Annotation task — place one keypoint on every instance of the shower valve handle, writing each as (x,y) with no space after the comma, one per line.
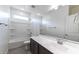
(3,24)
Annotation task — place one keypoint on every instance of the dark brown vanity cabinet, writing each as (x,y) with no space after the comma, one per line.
(36,48)
(33,47)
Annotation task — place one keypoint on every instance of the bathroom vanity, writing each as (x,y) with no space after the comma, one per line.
(37,48)
(44,44)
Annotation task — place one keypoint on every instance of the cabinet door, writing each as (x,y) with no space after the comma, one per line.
(43,50)
(33,46)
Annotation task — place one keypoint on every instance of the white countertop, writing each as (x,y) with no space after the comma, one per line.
(50,43)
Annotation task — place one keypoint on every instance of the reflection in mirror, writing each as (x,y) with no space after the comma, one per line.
(62,24)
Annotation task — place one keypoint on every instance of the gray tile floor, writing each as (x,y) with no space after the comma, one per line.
(19,50)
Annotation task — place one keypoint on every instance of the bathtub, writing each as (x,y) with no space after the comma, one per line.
(18,42)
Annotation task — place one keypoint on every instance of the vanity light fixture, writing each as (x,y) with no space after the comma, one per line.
(53,7)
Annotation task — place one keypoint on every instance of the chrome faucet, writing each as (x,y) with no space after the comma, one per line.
(65,36)
(60,40)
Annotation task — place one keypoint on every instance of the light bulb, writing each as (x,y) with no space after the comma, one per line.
(53,7)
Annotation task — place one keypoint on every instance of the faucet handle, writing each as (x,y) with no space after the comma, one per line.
(65,36)
(60,41)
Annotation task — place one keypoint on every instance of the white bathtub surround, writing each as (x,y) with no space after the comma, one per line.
(19,46)
(49,42)
(18,42)
(19,50)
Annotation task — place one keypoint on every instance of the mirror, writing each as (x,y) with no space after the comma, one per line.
(61,23)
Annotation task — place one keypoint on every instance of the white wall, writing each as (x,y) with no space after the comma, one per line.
(4,14)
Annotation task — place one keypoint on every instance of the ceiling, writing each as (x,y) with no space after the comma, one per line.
(39,9)
(42,9)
